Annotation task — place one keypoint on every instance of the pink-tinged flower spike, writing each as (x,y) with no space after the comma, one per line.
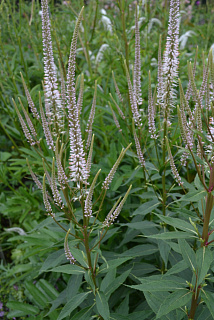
(45,200)
(115,118)
(29,122)
(112,215)
(117,89)
(88,164)
(88,200)
(34,177)
(29,99)
(189,88)
(151,112)
(91,118)
(24,126)
(78,172)
(68,254)
(63,90)
(137,63)
(160,76)
(62,178)
(205,77)
(80,97)
(118,108)
(133,100)
(138,148)
(56,194)
(170,58)
(111,174)
(52,96)
(172,165)
(45,126)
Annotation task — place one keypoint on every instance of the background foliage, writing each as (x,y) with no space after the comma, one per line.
(34,278)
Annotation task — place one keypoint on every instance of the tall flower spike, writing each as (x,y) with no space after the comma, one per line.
(137,64)
(151,112)
(62,178)
(91,118)
(88,200)
(112,215)
(170,58)
(56,194)
(29,99)
(189,88)
(115,118)
(45,126)
(173,167)
(138,148)
(111,174)
(117,89)
(34,177)
(160,76)
(88,164)
(29,122)
(78,171)
(133,100)
(45,200)
(24,126)
(80,97)
(68,254)
(52,96)
(118,108)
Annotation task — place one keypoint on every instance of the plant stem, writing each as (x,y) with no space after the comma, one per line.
(164,160)
(194,304)
(209,206)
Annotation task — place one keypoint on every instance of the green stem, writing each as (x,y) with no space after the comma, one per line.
(164,160)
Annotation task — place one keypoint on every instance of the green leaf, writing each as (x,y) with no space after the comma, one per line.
(111,264)
(37,295)
(155,299)
(69,269)
(188,254)
(208,298)
(158,285)
(174,301)
(141,225)
(116,283)
(72,304)
(140,250)
(4,156)
(109,278)
(172,235)
(194,196)
(50,291)
(147,207)
(52,260)
(178,223)
(27,309)
(164,249)
(178,267)
(84,314)
(102,305)
(204,259)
